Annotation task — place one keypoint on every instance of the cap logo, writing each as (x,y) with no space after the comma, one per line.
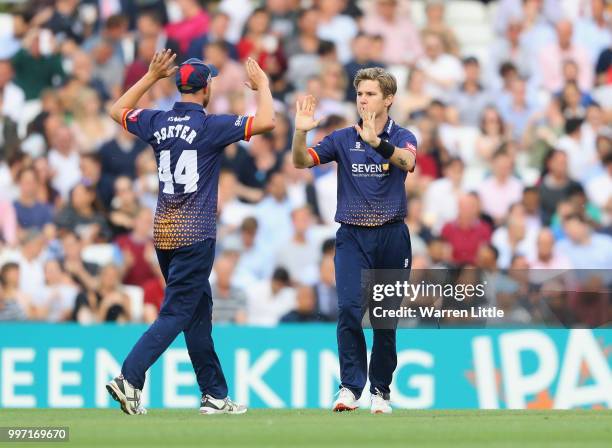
(186,71)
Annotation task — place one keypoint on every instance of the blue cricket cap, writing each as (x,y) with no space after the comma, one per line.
(193,75)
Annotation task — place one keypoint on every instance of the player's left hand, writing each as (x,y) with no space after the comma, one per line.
(161,65)
(368,131)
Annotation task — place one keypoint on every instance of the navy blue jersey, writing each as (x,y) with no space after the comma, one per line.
(370,189)
(187,143)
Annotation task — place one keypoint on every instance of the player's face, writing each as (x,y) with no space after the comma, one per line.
(370,97)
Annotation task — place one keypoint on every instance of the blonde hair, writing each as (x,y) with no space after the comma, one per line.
(84,96)
(386,81)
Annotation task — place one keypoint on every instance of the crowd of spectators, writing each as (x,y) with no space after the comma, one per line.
(514,165)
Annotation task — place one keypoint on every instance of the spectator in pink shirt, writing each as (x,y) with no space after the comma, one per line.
(500,191)
(194,24)
(547,257)
(402,41)
(552,57)
(8,223)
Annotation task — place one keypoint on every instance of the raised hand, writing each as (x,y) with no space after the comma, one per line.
(161,65)
(257,77)
(304,114)
(368,131)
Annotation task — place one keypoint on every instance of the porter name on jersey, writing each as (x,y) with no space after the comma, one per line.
(181,131)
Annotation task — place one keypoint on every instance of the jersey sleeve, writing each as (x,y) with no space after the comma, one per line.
(406,140)
(324,151)
(226,129)
(139,122)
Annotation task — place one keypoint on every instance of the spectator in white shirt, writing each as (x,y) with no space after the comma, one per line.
(232,211)
(443,72)
(299,255)
(514,238)
(510,48)
(442,196)
(30,260)
(580,159)
(64,161)
(325,188)
(594,32)
(336,27)
(255,262)
(599,189)
(269,300)
(273,214)
(585,248)
(531,204)
(595,133)
(12,95)
(55,302)
(12,28)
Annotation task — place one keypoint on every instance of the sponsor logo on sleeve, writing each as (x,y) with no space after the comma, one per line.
(410,147)
(133,116)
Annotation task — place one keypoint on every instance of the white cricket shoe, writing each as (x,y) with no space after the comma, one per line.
(126,395)
(346,401)
(380,404)
(210,405)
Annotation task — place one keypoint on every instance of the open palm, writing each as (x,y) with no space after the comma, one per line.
(367,130)
(304,114)
(162,64)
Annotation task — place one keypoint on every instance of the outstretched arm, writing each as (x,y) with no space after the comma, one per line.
(263,121)
(304,122)
(160,67)
(401,158)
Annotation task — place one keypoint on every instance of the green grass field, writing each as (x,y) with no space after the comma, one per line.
(319,428)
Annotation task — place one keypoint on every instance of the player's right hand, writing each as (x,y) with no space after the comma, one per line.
(257,77)
(304,114)
(161,65)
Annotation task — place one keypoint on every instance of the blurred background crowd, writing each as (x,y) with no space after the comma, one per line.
(510,100)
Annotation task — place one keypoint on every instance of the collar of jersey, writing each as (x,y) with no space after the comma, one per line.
(187,106)
(386,130)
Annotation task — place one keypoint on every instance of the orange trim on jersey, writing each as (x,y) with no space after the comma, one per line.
(248,129)
(315,156)
(124,117)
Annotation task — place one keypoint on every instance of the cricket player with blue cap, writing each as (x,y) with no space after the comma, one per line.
(188,144)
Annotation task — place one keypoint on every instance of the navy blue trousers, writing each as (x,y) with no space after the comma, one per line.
(187,308)
(357,248)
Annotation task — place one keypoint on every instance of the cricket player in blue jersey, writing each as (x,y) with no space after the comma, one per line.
(188,144)
(373,159)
